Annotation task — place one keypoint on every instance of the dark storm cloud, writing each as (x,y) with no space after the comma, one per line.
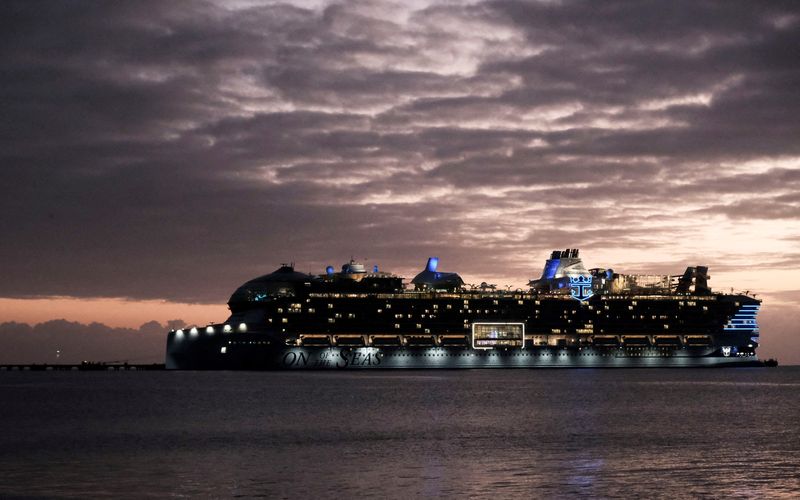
(171,150)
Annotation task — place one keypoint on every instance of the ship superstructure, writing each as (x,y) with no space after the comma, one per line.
(569,317)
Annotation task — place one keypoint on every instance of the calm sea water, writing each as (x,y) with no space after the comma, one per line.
(508,433)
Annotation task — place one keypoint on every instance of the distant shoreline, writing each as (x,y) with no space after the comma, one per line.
(85,366)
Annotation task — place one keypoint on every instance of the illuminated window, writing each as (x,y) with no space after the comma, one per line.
(331,320)
(284,320)
(397,325)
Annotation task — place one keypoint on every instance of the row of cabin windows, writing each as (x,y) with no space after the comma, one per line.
(466,324)
(295,309)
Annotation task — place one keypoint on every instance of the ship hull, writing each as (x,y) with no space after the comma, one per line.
(258,354)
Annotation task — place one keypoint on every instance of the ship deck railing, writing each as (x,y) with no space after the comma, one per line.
(516,295)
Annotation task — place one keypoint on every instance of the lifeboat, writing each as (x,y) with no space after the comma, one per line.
(420,340)
(315,340)
(349,340)
(453,340)
(385,340)
(667,340)
(636,340)
(697,340)
(606,340)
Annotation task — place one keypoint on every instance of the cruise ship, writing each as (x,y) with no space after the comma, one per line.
(570,317)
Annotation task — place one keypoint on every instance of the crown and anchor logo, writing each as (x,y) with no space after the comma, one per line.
(581,287)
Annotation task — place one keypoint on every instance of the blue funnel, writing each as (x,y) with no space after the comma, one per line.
(433,263)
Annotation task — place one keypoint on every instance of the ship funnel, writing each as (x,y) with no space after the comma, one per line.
(433,263)
(701,280)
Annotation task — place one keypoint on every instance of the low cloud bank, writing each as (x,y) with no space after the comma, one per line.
(61,341)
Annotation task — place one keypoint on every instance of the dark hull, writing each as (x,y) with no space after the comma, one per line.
(253,352)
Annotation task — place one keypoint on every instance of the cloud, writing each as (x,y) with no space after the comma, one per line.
(155,150)
(60,341)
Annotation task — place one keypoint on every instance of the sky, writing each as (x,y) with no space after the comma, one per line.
(155,155)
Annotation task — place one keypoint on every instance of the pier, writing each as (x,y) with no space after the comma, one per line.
(85,366)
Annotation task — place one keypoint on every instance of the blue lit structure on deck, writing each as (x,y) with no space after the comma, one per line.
(550,268)
(744,320)
(433,263)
